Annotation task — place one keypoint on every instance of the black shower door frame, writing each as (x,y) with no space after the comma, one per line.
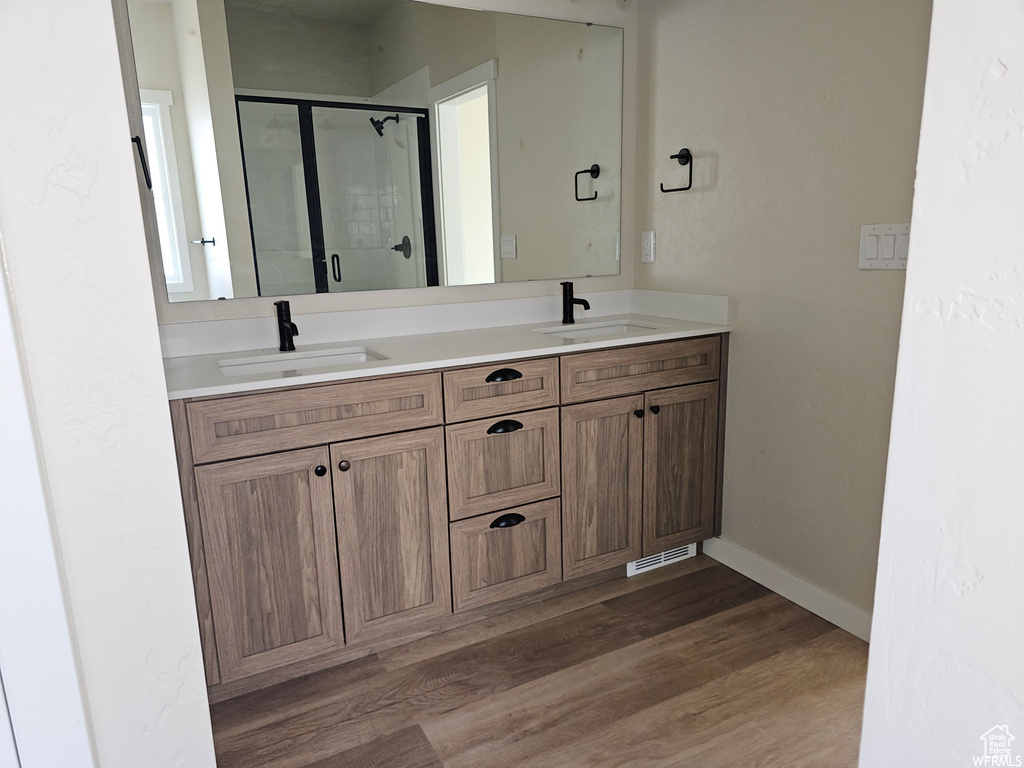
(312,182)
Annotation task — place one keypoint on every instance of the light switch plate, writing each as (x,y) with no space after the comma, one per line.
(508,247)
(884,246)
(647,247)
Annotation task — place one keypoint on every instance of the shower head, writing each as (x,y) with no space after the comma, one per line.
(378,125)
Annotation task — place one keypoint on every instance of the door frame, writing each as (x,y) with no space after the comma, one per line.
(485,74)
(37,643)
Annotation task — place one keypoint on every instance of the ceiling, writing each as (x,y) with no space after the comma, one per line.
(360,13)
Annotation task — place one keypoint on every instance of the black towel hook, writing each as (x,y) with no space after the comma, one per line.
(685,158)
(594,171)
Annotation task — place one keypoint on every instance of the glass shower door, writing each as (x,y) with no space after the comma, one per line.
(368,175)
(276,186)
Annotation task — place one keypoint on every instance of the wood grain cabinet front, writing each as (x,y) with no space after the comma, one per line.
(268,535)
(632,370)
(602,484)
(249,425)
(505,555)
(332,520)
(389,503)
(489,390)
(502,462)
(680,462)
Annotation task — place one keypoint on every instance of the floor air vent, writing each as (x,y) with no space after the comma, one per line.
(645,564)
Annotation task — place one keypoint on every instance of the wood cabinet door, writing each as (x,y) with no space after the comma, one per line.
(390,508)
(602,484)
(268,534)
(680,456)
(504,555)
(502,462)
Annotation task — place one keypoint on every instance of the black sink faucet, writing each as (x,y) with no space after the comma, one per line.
(569,304)
(285,326)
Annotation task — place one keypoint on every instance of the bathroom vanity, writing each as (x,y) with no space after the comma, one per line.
(337,510)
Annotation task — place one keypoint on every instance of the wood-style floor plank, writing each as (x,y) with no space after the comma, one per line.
(445,642)
(407,748)
(510,727)
(781,694)
(690,665)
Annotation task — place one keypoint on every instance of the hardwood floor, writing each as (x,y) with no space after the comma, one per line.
(689,665)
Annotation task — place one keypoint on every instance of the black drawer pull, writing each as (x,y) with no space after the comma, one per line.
(655,409)
(639,413)
(505,374)
(344,466)
(511,520)
(504,427)
(320,471)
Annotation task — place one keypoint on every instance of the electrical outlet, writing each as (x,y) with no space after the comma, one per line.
(647,247)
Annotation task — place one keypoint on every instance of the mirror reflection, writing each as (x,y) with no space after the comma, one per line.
(314,146)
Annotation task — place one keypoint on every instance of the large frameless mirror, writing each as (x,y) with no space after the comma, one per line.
(325,146)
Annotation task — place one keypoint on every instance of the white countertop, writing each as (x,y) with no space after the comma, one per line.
(201,375)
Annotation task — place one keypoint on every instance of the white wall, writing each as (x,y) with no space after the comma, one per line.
(286,53)
(803,118)
(38,665)
(946,661)
(559,99)
(76,259)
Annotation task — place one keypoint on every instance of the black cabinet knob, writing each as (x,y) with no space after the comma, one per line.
(344,466)
(320,471)
(639,413)
(655,409)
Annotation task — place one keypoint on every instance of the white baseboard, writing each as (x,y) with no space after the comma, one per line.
(817,601)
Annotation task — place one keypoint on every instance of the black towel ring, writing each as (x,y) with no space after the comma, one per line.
(685,158)
(594,171)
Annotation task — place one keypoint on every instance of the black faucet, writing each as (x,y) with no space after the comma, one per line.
(285,326)
(569,303)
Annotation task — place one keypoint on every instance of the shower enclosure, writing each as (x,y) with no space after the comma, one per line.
(340,195)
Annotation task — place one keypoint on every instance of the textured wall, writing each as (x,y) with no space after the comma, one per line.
(76,255)
(946,662)
(803,117)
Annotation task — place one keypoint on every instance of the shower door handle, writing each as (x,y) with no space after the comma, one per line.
(405,248)
(336,267)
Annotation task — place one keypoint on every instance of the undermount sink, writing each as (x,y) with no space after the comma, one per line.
(306,361)
(596,329)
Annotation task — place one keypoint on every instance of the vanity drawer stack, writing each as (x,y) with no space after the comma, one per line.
(332,520)
(504,459)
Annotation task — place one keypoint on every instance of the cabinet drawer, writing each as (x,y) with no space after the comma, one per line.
(277,421)
(502,462)
(491,563)
(489,390)
(629,370)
